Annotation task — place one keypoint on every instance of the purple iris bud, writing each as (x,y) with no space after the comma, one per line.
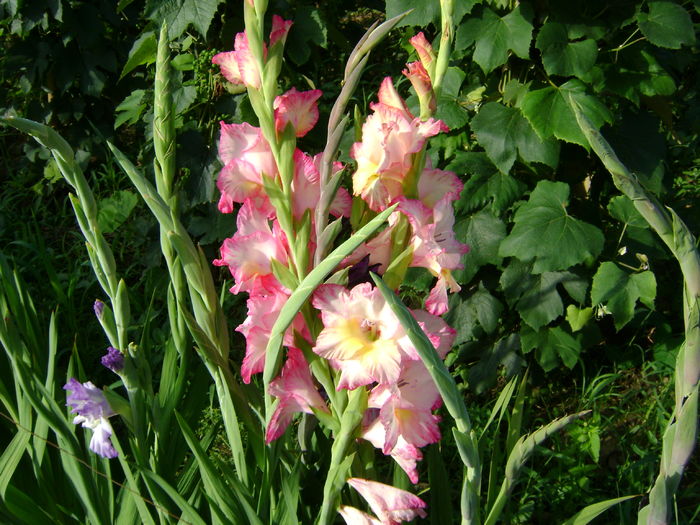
(92,409)
(113,359)
(98,306)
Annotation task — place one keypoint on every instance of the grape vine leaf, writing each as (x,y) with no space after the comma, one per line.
(536,297)
(562,57)
(495,36)
(618,291)
(550,111)
(179,14)
(485,184)
(546,233)
(504,132)
(622,208)
(309,27)
(483,232)
(667,24)
(130,109)
(551,345)
(114,210)
(478,309)
(142,52)
(578,317)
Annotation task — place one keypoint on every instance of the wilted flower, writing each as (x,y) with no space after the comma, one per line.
(92,409)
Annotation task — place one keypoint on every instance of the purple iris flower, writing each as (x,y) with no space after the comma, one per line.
(92,409)
(113,359)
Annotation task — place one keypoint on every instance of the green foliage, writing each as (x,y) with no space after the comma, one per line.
(493,36)
(546,233)
(554,247)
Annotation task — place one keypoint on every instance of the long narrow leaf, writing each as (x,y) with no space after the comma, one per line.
(590,512)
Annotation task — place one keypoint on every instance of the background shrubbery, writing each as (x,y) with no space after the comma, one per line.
(564,277)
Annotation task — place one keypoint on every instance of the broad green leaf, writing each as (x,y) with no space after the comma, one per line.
(180,14)
(503,132)
(551,346)
(667,24)
(130,109)
(451,113)
(483,232)
(535,296)
(495,36)
(478,309)
(622,208)
(309,27)
(619,291)
(550,111)
(485,185)
(578,317)
(142,52)
(114,210)
(587,514)
(546,233)
(562,57)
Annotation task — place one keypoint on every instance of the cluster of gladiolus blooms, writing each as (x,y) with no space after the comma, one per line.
(361,337)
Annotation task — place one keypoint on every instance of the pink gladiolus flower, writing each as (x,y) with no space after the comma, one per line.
(306,188)
(420,80)
(353,516)
(435,247)
(239,66)
(296,392)
(363,338)
(390,138)
(391,505)
(248,252)
(405,408)
(360,335)
(424,50)
(435,184)
(298,108)
(247,157)
(280,30)
(263,310)
(405,454)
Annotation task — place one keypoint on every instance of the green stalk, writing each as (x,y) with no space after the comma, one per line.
(443,58)
(680,437)
(340,460)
